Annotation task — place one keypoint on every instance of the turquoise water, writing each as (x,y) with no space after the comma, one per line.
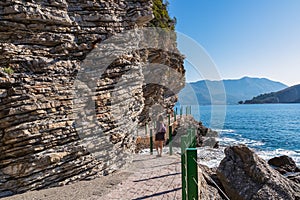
(270,129)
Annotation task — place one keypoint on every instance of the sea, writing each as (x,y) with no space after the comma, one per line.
(269,129)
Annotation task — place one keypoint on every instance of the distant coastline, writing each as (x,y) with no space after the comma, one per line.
(288,95)
(226,92)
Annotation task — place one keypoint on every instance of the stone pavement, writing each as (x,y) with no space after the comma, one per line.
(152,178)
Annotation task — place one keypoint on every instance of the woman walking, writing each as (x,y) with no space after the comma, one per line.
(160,135)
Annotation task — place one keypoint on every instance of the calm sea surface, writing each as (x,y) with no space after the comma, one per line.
(270,129)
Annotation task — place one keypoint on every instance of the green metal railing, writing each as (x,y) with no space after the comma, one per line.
(170,140)
(189,167)
(188,110)
(151,142)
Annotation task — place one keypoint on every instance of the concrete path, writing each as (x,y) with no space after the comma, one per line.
(148,177)
(151,178)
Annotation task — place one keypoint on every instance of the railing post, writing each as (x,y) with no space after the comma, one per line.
(189,136)
(175,113)
(192,175)
(170,140)
(151,142)
(186,110)
(183,166)
(180,111)
(169,120)
(146,128)
(194,138)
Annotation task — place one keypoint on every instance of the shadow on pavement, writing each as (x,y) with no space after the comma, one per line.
(147,179)
(158,194)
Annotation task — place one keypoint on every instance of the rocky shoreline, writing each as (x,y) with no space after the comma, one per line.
(240,173)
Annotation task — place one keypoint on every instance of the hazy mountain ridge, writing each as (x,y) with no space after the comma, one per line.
(214,92)
(288,95)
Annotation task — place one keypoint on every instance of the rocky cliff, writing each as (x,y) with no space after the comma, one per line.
(76,79)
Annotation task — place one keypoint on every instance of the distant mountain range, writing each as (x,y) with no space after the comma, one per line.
(207,92)
(288,95)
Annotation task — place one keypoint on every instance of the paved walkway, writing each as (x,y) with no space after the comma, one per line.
(152,178)
(148,177)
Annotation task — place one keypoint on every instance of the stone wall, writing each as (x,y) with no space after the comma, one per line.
(58,122)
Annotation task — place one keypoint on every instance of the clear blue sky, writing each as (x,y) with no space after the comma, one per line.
(256,38)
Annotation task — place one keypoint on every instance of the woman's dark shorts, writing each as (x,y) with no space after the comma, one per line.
(160,136)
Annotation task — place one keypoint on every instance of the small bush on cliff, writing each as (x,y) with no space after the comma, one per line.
(161,16)
(8,70)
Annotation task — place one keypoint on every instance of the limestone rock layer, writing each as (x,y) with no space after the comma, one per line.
(76,79)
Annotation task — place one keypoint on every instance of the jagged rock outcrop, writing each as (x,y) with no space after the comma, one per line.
(57,125)
(246,176)
(284,164)
(204,136)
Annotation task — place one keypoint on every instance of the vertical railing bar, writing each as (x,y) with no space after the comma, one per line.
(192,169)
(170,140)
(186,111)
(183,167)
(151,142)
(175,113)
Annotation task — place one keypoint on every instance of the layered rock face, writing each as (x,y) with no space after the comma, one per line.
(246,176)
(66,113)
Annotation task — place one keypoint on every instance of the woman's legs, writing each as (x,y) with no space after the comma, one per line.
(159,141)
(160,147)
(156,146)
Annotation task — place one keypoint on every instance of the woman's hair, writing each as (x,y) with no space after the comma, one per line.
(160,118)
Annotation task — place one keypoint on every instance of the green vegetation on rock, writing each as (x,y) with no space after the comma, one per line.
(161,16)
(8,70)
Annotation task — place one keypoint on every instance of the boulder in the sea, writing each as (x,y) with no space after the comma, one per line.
(245,176)
(284,164)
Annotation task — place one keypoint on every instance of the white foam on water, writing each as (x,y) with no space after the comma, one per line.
(210,157)
(236,139)
(232,141)
(225,130)
(267,155)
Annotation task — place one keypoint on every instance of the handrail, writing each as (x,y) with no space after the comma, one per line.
(189,168)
